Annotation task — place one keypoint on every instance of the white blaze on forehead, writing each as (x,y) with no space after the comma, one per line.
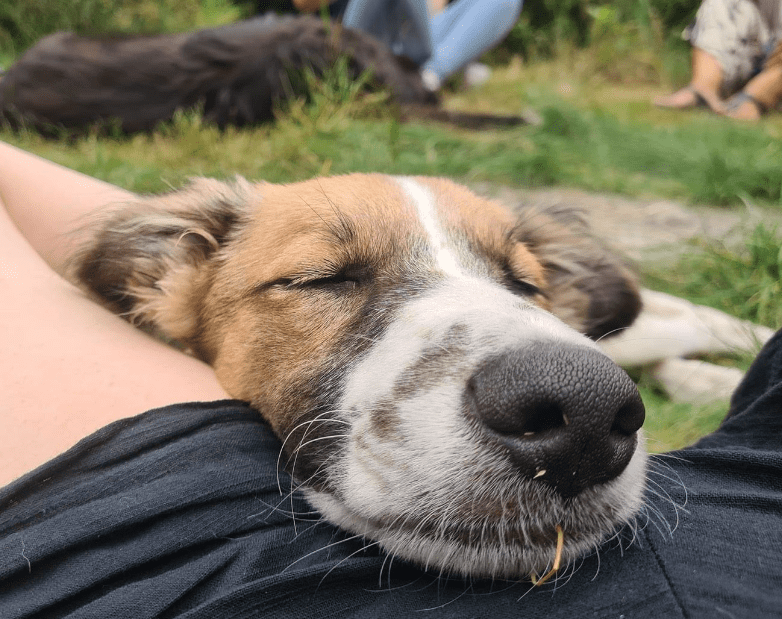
(424,203)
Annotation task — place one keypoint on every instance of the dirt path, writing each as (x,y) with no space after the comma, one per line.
(643,230)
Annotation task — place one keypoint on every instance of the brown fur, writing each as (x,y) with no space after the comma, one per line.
(281,288)
(589,287)
(235,73)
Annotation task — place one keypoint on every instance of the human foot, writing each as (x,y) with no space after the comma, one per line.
(687,98)
(743,106)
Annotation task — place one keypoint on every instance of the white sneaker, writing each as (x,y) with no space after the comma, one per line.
(431,80)
(476,74)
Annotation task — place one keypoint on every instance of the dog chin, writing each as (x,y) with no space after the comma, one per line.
(506,528)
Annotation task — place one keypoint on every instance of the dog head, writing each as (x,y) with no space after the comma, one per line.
(426,356)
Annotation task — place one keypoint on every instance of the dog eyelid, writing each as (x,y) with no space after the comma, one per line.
(521,286)
(343,280)
(525,288)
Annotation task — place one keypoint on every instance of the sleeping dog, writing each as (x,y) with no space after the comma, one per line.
(426,356)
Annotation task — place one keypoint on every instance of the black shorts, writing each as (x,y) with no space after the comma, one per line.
(180,512)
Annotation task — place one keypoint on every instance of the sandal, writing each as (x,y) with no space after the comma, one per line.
(740,98)
(699,101)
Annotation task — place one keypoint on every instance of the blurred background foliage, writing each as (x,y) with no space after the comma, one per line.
(544,27)
(23,22)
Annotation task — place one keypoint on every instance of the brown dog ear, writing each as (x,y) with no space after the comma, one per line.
(589,287)
(150,260)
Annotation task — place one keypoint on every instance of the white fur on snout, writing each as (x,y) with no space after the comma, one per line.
(423,464)
(494,318)
(489,320)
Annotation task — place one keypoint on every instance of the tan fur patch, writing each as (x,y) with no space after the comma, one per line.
(269,329)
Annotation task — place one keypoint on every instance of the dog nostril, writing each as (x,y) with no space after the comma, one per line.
(630,416)
(500,409)
(547,416)
(566,415)
(533,418)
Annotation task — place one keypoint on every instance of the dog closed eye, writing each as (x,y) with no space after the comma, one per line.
(523,288)
(408,350)
(344,280)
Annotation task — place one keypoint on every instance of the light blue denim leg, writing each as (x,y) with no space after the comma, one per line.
(468,28)
(403,25)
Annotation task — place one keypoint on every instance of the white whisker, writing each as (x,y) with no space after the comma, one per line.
(322,549)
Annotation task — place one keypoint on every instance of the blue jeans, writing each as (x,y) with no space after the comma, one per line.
(443,44)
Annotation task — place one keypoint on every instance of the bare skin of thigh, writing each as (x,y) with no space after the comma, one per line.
(67,366)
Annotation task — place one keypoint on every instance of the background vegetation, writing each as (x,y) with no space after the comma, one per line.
(589,69)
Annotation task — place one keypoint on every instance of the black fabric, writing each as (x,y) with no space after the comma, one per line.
(177,513)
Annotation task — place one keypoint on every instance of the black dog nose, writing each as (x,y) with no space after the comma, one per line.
(567,414)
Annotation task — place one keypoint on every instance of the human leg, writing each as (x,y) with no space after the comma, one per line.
(403,26)
(704,86)
(728,39)
(47,202)
(466,29)
(762,93)
(67,366)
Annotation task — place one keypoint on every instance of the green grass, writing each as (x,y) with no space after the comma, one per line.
(745,281)
(24,22)
(599,133)
(670,425)
(698,159)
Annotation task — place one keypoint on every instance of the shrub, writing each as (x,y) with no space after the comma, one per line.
(545,24)
(24,22)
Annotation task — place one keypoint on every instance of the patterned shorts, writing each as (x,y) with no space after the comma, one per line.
(741,34)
